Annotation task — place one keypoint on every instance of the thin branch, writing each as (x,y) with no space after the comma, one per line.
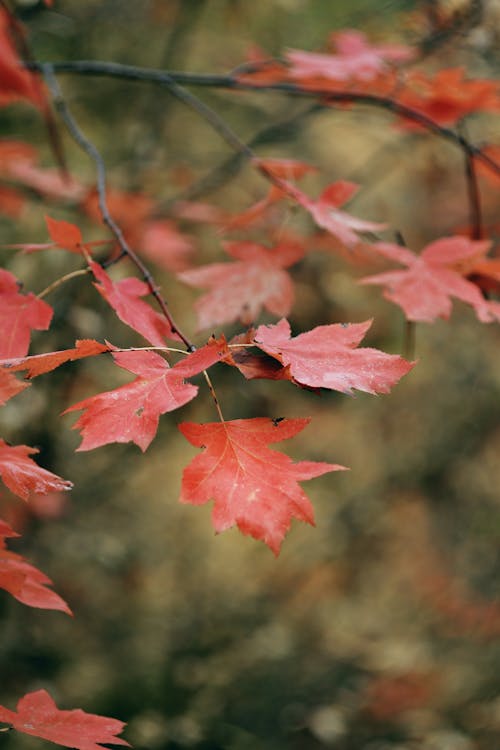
(134,73)
(229,168)
(473,193)
(89,148)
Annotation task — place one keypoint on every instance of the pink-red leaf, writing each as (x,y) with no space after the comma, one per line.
(425,288)
(15,82)
(253,487)
(19,315)
(131,413)
(65,235)
(355,59)
(25,582)
(38,715)
(239,290)
(39,364)
(9,386)
(22,475)
(327,357)
(327,215)
(162,243)
(124,296)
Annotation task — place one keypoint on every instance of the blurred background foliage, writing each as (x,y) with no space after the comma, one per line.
(380,628)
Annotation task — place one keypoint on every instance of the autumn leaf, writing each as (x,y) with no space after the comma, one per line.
(9,386)
(355,59)
(124,296)
(38,715)
(276,170)
(240,289)
(131,413)
(22,475)
(166,246)
(24,582)
(11,202)
(327,357)
(39,364)
(253,487)
(15,82)
(19,315)
(49,183)
(425,288)
(327,215)
(447,96)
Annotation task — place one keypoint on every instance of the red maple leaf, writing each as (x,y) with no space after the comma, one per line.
(447,96)
(9,386)
(11,202)
(131,413)
(39,364)
(38,715)
(355,59)
(19,315)
(50,183)
(326,357)
(15,82)
(124,296)
(326,214)
(65,235)
(22,475)
(253,487)
(25,582)
(425,288)
(164,244)
(239,290)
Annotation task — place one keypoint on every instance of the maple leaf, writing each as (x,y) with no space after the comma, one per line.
(162,243)
(50,183)
(22,475)
(253,487)
(38,715)
(326,357)
(326,214)
(425,288)
(15,82)
(19,315)
(124,296)
(447,96)
(11,202)
(24,582)
(129,210)
(9,386)
(131,413)
(355,59)
(241,289)
(277,170)
(39,364)
(65,235)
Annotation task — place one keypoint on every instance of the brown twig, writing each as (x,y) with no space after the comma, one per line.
(89,148)
(134,73)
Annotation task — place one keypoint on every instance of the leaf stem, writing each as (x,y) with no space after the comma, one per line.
(214,395)
(62,280)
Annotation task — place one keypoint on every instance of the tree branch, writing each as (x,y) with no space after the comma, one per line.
(89,148)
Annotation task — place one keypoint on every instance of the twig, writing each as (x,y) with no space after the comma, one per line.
(134,73)
(473,193)
(89,148)
(229,168)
